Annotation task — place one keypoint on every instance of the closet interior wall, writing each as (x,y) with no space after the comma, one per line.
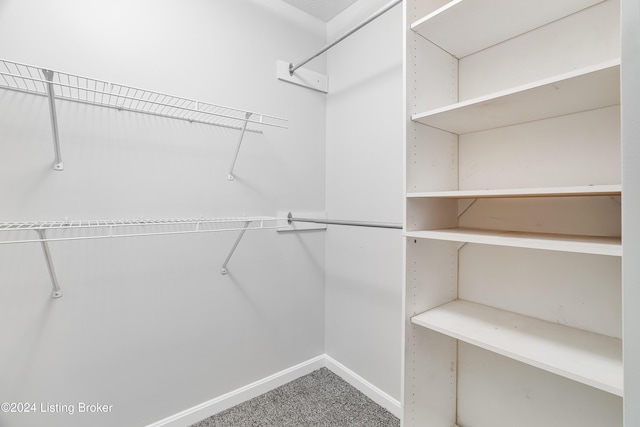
(364,182)
(148,324)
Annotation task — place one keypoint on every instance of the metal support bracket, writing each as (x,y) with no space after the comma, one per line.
(233,249)
(235,158)
(464,205)
(57,164)
(56,292)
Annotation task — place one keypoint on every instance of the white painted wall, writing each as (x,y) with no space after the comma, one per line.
(149,325)
(364,182)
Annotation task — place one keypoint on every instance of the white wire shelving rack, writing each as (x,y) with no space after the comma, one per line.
(57,85)
(65,230)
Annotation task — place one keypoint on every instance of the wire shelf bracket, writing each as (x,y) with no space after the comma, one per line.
(56,292)
(55,231)
(230,177)
(233,248)
(60,86)
(51,95)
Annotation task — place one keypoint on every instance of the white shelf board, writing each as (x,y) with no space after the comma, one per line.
(586,190)
(463,27)
(586,357)
(580,90)
(597,245)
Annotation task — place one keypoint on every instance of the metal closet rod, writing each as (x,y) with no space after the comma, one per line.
(293,67)
(291,219)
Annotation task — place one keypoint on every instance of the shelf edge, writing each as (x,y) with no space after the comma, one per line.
(471,309)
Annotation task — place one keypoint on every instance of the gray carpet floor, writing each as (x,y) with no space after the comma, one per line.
(319,399)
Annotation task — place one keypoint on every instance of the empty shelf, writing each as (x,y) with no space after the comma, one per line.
(71,87)
(581,90)
(583,356)
(597,245)
(16,232)
(463,27)
(586,190)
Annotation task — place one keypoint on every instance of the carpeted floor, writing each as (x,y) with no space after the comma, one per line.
(320,399)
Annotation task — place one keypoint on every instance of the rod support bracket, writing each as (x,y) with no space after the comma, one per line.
(303,77)
(58,166)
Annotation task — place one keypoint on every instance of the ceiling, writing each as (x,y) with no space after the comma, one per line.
(322,9)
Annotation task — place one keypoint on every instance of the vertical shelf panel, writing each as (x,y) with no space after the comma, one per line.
(429,358)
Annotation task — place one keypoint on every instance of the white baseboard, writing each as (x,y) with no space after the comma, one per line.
(371,391)
(242,394)
(235,397)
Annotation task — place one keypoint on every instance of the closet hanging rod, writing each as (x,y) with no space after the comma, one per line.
(393,3)
(291,219)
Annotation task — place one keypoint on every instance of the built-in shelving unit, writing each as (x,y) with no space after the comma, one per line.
(512,184)
(62,86)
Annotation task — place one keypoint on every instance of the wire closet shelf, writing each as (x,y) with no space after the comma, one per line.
(71,87)
(51,231)
(19,232)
